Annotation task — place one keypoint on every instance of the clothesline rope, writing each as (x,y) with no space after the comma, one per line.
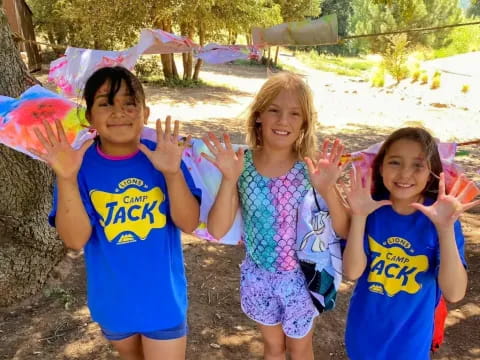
(348,37)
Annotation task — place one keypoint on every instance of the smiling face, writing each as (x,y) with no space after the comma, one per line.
(119,123)
(281,122)
(405,171)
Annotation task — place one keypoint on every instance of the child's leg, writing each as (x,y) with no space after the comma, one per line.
(164,349)
(301,349)
(273,342)
(129,348)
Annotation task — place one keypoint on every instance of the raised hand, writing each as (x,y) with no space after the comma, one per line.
(58,153)
(325,170)
(167,156)
(448,207)
(359,195)
(229,162)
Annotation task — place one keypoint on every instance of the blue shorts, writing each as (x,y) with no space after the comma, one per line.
(166,334)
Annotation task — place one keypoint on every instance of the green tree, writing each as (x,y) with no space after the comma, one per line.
(370,17)
(343,9)
(300,9)
(474,9)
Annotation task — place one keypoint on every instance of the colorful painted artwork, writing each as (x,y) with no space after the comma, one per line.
(18,118)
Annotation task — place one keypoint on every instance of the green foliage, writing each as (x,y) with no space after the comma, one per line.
(395,57)
(436,81)
(378,76)
(343,9)
(160,81)
(474,9)
(300,9)
(98,24)
(348,66)
(148,66)
(461,40)
(424,79)
(465,88)
(416,75)
(382,16)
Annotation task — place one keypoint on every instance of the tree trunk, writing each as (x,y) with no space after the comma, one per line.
(276,55)
(168,62)
(29,247)
(186,30)
(174,67)
(198,64)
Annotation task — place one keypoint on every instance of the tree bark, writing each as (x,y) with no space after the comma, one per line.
(186,30)
(168,62)
(198,64)
(29,247)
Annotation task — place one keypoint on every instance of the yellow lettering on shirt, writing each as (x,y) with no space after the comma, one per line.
(132,211)
(394,269)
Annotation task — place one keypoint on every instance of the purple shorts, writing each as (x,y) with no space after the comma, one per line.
(281,297)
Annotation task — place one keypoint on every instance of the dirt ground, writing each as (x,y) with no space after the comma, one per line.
(56,325)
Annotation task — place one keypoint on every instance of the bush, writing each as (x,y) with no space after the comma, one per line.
(173,83)
(148,66)
(424,78)
(436,80)
(395,57)
(463,39)
(465,88)
(378,77)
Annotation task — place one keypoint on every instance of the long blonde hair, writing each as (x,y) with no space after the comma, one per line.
(306,143)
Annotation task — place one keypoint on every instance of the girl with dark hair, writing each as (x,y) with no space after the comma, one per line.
(124,201)
(405,247)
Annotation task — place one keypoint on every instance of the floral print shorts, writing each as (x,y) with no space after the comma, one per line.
(281,297)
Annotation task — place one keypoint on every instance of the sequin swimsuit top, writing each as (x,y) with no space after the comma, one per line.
(269,210)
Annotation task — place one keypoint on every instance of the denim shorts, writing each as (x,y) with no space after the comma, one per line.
(165,334)
(277,298)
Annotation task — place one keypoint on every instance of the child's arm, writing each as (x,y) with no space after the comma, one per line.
(361,205)
(452,276)
(324,173)
(184,207)
(230,163)
(71,220)
(166,158)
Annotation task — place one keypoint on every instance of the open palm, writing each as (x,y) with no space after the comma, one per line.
(448,207)
(224,157)
(359,195)
(325,170)
(58,153)
(167,155)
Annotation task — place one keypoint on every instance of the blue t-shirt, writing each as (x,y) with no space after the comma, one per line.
(391,314)
(135,273)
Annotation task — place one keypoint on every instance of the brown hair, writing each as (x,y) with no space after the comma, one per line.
(430,148)
(306,143)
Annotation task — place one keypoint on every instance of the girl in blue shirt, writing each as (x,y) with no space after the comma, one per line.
(405,246)
(124,201)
